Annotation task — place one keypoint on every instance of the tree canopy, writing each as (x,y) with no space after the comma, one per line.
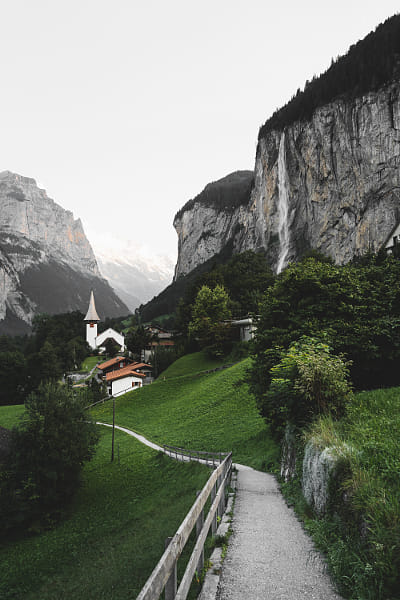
(209,315)
(370,64)
(48,450)
(355,308)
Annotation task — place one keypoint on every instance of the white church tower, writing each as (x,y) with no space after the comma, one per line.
(91,319)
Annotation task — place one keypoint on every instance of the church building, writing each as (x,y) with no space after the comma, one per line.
(97,341)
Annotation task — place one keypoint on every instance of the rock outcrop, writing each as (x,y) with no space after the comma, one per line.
(216,217)
(46,262)
(340,173)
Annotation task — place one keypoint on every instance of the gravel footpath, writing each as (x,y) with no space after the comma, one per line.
(269,554)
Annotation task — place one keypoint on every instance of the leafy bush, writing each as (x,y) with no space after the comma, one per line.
(307,381)
(49,448)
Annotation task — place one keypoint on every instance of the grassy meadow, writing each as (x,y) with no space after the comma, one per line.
(9,415)
(114,532)
(200,411)
(90,362)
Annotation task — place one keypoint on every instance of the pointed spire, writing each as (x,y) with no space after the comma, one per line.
(91,313)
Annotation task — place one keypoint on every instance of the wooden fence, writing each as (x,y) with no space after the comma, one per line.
(164,576)
(209,458)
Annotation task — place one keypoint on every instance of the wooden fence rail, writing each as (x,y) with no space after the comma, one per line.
(163,576)
(210,458)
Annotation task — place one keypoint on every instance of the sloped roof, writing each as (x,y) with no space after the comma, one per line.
(110,334)
(140,365)
(111,362)
(91,314)
(125,372)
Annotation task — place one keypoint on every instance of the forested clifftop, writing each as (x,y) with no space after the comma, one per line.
(327,172)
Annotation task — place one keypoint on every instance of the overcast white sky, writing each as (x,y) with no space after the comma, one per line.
(123,110)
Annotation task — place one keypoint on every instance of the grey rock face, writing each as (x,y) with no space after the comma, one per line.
(343,183)
(46,261)
(343,176)
(217,216)
(318,466)
(27,212)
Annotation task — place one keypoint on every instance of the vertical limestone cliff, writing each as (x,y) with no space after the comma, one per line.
(330,183)
(28,213)
(217,217)
(343,179)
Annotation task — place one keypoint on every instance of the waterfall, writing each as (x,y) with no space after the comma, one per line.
(283,208)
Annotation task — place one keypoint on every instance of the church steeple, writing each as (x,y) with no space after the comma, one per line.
(92,318)
(92,313)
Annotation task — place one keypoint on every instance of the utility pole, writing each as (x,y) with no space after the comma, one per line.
(113,432)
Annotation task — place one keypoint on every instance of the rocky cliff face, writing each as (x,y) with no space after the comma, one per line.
(331,183)
(216,217)
(46,261)
(342,176)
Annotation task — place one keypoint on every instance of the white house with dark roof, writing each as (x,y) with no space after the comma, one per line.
(97,341)
(124,380)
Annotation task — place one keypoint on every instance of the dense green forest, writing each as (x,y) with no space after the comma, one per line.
(246,276)
(370,64)
(57,345)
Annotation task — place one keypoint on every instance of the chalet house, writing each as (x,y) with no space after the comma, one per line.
(114,364)
(123,380)
(145,369)
(160,338)
(246,328)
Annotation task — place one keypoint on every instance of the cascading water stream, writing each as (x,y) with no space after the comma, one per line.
(283,206)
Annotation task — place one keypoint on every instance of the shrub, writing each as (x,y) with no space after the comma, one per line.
(307,381)
(48,450)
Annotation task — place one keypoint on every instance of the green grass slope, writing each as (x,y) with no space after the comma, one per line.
(114,533)
(191,364)
(9,415)
(360,535)
(200,411)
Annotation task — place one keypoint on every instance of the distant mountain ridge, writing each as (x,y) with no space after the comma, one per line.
(46,262)
(135,278)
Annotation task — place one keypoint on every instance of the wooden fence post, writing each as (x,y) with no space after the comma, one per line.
(214,520)
(199,527)
(171,585)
